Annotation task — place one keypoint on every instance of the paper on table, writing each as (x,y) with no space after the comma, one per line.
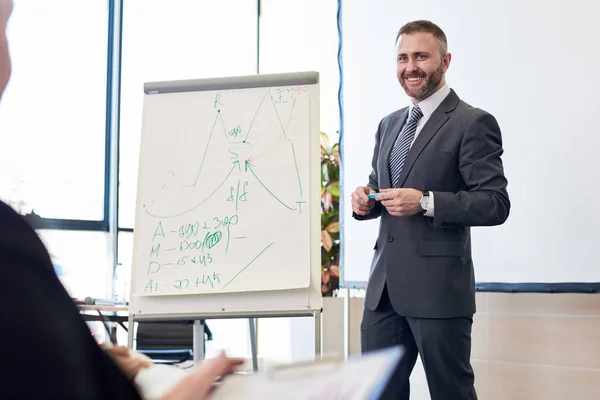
(356,379)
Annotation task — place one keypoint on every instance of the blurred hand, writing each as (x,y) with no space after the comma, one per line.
(361,204)
(128,361)
(6,7)
(199,383)
(5,67)
(401,202)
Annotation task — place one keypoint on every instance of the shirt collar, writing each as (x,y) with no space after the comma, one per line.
(429,105)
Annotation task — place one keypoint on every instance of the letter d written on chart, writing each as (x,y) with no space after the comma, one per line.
(153,267)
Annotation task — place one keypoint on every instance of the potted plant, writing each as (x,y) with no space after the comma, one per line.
(330,213)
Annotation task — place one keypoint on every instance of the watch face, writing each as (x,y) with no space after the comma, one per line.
(424,202)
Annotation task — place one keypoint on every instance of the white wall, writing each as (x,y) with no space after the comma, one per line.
(530,63)
(299,36)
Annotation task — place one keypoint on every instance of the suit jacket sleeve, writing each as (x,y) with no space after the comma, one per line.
(485,201)
(373,181)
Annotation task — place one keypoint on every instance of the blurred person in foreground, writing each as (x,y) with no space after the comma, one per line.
(47,349)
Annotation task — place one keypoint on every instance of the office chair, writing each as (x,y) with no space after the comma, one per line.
(168,342)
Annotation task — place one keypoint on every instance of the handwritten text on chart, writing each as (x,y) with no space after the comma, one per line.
(195,252)
(181,284)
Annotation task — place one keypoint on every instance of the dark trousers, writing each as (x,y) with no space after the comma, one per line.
(444,346)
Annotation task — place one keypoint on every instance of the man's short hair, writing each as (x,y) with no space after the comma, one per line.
(425,27)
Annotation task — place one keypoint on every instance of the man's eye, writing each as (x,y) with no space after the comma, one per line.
(422,57)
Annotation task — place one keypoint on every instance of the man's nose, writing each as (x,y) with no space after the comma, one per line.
(411,66)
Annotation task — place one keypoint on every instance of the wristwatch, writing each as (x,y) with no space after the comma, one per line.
(424,202)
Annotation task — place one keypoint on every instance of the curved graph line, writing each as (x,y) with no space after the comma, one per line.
(249,167)
(225,130)
(256,113)
(277,113)
(296,164)
(281,136)
(206,149)
(236,163)
(293,151)
(291,114)
(269,148)
(223,125)
(250,263)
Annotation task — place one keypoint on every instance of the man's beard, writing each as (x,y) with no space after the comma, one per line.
(432,81)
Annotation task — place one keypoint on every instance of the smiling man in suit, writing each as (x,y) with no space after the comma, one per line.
(437,164)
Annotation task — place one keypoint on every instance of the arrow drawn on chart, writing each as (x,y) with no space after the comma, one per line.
(250,263)
(249,167)
(235,164)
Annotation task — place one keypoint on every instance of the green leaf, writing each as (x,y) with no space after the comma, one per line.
(331,216)
(333,227)
(325,276)
(334,189)
(335,153)
(324,140)
(326,240)
(333,172)
(326,202)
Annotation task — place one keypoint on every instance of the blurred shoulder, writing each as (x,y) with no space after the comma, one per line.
(17,238)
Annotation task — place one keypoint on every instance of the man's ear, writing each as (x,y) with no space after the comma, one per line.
(446,61)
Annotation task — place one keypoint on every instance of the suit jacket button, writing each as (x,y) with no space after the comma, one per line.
(390,239)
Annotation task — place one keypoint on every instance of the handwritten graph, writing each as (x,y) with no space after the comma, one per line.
(223,191)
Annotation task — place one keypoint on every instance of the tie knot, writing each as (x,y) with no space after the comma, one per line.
(416,113)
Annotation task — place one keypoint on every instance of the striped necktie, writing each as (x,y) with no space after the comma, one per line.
(403,143)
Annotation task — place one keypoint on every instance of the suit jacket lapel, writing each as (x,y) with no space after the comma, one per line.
(389,139)
(432,126)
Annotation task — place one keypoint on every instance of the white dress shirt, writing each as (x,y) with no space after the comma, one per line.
(428,106)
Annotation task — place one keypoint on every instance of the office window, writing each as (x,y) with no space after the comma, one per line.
(52,116)
(188,39)
(81,261)
(124,263)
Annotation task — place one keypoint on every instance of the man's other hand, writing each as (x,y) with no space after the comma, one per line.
(401,202)
(361,204)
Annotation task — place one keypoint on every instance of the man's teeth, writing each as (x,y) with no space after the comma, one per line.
(414,79)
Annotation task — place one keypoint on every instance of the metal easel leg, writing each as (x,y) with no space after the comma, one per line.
(198,341)
(318,335)
(130,330)
(253,343)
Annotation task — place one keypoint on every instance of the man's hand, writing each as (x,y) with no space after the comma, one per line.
(361,204)
(401,202)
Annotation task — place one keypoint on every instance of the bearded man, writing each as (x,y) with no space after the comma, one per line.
(436,171)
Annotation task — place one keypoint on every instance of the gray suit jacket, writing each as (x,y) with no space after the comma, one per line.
(426,262)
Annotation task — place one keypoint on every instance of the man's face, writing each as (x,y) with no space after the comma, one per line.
(420,65)
(5,11)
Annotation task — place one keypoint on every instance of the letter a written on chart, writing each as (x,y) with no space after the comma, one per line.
(158,232)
